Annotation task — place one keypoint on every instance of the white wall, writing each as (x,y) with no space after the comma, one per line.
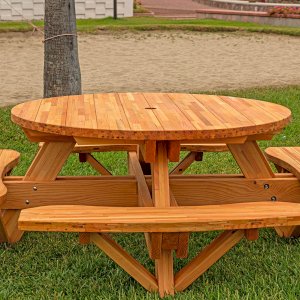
(85,9)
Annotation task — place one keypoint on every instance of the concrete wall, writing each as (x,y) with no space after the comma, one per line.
(228,16)
(85,9)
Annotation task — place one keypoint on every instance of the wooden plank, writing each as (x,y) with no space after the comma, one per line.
(185,163)
(9,219)
(104,148)
(181,237)
(125,261)
(96,164)
(49,161)
(123,191)
(204,147)
(84,238)
(37,136)
(251,160)
(139,113)
(286,157)
(174,151)
(145,199)
(160,177)
(161,198)
(154,240)
(198,190)
(288,231)
(206,258)
(8,160)
(45,166)
(165,273)
(148,150)
(94,141)
(78,218)
(251,234)
(104,191)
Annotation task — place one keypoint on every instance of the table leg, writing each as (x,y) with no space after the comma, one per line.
(251,160)
(46,166)
(253,164)
(49,161)
(161,198)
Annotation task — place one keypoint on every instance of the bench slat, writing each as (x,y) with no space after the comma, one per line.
(285,157)
(148,219)
(8,160)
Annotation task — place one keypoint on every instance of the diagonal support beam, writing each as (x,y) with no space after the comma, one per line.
(186,162)
(288,231)
(153,240)
(96,164)
(251,160)
(125,261)
(206,258)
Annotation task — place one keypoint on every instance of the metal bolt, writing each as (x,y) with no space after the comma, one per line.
(27,201)
(266,186)
(273,198)
(34,188)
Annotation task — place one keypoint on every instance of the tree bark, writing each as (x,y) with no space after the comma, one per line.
(61,63)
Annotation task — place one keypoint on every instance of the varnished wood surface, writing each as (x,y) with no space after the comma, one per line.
(8,160)
(286,157)
(160,219)
(151,116)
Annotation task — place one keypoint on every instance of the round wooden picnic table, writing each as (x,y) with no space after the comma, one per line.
(159,123)
(146,116)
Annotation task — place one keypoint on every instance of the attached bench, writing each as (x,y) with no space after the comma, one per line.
(149,219)
(286,159)
(8,160)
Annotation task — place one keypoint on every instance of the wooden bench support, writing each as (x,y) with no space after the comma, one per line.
(125,261)
(251,234)
(206,258)
(8,218)
(286,159)
(161,198)
(186,162)
(157,241)
(89,158)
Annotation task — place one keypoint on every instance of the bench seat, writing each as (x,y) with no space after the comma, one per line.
(8,160)
(72,218)
(287,158)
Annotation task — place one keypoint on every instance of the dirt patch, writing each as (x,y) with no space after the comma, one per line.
(155,61)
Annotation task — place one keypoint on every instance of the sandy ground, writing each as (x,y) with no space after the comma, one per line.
(155,61)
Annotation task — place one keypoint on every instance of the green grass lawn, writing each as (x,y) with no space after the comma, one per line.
(151,23)
(55,266)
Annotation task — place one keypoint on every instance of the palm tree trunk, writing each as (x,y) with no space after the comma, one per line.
(61,63)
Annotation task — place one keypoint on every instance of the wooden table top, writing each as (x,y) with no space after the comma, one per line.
(151,116)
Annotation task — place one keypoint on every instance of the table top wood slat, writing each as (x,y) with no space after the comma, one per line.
(52,110)
(250,109)
(229,116)
(81,112)
(167,112)
(139,112)
(200,116)
(110,113)
(152,116)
